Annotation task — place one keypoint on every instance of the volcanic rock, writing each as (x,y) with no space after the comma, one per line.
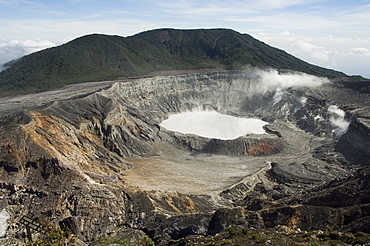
(95,153)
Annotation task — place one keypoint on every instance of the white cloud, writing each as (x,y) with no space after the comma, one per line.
(12,49)
(67,29)
(54,32)
(278,4)
(200,10)
(286,33)
(360,51)
(229,10)
(343,53)
(310,51)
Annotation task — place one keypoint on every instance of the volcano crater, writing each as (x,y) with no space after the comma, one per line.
(298,122)
(66,153)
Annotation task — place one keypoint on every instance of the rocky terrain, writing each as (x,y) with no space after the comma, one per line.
(95,156)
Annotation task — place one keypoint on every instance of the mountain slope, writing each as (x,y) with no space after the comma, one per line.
(99,57)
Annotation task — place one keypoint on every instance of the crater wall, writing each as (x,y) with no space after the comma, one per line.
(98,154)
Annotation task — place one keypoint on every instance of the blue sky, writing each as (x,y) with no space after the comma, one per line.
(333,34)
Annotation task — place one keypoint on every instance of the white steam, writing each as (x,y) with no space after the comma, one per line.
(303,101)
(278,95)
(268,80)
(212,124)
(4,216)
(338,120)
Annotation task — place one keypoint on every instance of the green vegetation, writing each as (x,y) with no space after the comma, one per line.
(145,241)
(59,237)
(277,236)
(100,57)
(55,237)
(108,241)
(280,235)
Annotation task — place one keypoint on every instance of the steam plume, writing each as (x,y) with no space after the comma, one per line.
(272,79)
(338,120)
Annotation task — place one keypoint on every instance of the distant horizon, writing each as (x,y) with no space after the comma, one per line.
(330,34)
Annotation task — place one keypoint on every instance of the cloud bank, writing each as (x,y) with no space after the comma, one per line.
(348,54)
(360,51)
(13,49)
(314,52)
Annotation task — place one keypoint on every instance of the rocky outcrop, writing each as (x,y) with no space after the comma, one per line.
(354,143)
